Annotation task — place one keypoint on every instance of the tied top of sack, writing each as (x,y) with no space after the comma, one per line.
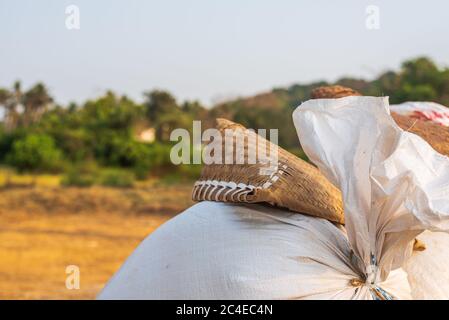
(394,185)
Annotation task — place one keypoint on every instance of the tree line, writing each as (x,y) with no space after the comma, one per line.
(39,135)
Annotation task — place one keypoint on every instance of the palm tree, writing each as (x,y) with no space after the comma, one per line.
(24,108)
(10,100)
(35,101)
(158,104)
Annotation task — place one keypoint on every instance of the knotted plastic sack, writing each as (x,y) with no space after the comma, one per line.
(394,185)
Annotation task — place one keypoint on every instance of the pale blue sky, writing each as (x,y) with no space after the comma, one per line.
(210,49)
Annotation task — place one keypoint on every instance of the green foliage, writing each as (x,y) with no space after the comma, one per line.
(88,174)
(116,178)
(37,135)
(124,152)
(160,154)
(418,80)
(163,112)
(182,174)
(7,140)
(110,113)
(34,152)
(79,176)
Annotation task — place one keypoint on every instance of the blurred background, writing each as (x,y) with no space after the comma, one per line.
(90,92)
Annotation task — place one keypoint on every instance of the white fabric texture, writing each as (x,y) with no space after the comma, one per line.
(224,251)
(428,270)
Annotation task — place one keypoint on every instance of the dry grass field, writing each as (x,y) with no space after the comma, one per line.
(44,229)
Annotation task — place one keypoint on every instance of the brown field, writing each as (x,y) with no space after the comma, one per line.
(45,229)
